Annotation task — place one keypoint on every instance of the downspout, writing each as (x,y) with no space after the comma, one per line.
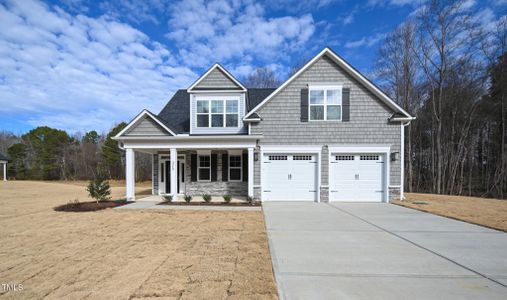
(402,159)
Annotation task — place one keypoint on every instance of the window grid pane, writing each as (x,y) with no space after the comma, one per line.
(202,106)
(232,106)
(334,112)
(235,174)
(316,96)
(217,106)
(203,120)
(217,120)
(334,97)
(316,112)
(231,120)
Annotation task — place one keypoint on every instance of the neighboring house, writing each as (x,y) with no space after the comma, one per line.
(3,161)
(326,134)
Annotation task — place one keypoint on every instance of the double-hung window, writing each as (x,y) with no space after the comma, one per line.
(204,168)
(217,113)
(325,103)
(235,165)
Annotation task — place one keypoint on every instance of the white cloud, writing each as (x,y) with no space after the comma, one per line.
(80,73)
(365,41)
(222,30)
(372,3)
(134,10)
(499,2)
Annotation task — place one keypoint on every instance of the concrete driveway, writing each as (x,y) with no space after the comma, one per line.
(381,251)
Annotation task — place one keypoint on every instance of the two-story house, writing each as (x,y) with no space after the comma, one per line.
(325,134)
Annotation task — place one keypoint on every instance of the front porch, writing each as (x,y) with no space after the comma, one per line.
(195,171)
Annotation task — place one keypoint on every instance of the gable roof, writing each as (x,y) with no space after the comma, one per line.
(221,69)
(145,113)
(350,70)
(3,157)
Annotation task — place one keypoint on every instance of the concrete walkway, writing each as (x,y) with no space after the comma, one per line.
(147,204)
(381,251)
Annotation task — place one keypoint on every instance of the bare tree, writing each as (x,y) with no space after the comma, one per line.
(398,71)
(262,78)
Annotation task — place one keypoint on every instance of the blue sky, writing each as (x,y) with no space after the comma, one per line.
(83,65)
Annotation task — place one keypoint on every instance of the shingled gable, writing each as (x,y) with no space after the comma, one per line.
(146,123)
(351,71)
(217,78)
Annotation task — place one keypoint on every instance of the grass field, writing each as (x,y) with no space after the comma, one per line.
(487,212)
(127,254)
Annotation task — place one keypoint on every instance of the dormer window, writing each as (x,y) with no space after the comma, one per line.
(217,111)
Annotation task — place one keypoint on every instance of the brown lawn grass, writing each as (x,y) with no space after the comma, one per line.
(482,211)
(127,254)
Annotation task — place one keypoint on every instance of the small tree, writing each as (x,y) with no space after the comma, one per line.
(98,188)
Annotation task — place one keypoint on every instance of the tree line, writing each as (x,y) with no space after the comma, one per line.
(450,71)
(46,153)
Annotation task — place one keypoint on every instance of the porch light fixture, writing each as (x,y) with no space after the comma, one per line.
(256,156)
(395,156)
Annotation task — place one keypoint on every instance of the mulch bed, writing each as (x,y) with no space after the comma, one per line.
(209,203)
(89,206)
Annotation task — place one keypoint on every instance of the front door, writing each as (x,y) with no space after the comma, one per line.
(164,183)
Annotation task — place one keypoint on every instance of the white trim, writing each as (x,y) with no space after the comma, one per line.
(130,175)
(217,66)
(289,149)
(250,162)
(192,137)
(136,119)
(384,150)
(346,67)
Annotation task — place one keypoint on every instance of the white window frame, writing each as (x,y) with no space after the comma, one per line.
(240,167)
(325,88)
(224,113)
(199,167)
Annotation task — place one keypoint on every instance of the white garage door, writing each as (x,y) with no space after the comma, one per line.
(289,177)
(356,177)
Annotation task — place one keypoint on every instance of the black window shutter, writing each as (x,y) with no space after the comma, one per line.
(193,167)
(214,168)
(225,167)
(304,105)
(346,104)
(244,162)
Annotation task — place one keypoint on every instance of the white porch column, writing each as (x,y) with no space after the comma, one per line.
(250,172)
(130,175)
(174,172)
(5,171)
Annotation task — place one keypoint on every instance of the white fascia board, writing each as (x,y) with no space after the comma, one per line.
(402,119)
(347,68)
(216,66)
(252,120)
(359,149)
(191,145)
(136,119)
(190,137)
(291,149)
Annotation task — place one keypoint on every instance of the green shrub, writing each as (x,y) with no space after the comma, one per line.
(98,188)
(227,198)
(206,198)
(168,198)
(250,200)
(187,198)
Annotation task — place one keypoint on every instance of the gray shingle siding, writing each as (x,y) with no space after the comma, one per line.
(281,118)
(216,79)
(146,126)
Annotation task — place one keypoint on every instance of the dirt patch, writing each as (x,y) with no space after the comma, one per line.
(89,206)
(128,254)
(481,211)
(180,203)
